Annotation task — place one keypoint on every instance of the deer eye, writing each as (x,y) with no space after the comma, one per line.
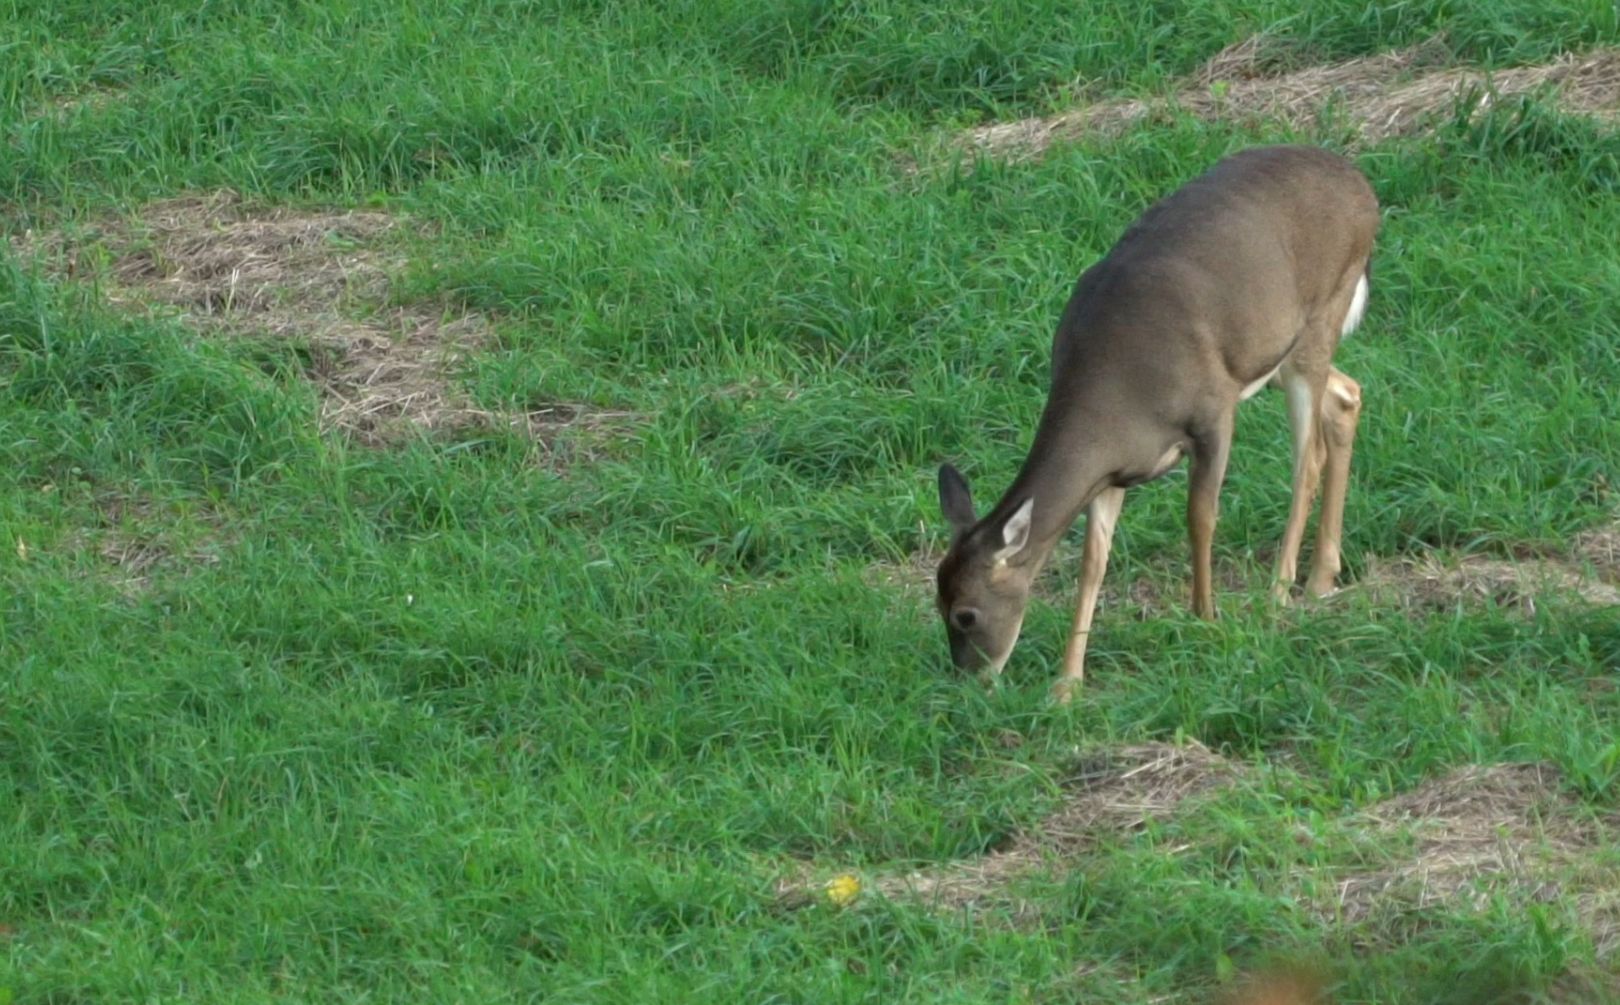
(965,618)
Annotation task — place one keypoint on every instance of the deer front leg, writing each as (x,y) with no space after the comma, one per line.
(1304,397)
(1208,472)
(1341,413)
(1101,516)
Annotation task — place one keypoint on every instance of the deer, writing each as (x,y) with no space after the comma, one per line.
(1247,276)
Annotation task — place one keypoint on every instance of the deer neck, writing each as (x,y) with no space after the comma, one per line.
(1064,470)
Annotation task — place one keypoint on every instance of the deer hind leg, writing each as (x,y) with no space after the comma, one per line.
(1341,412)
(1305,394)
(1207,473)
(1101,517)
(1324,406)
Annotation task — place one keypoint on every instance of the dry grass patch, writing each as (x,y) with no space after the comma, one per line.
(1430,584)
(1109,793)
(1380,96)
(1600,547)
(1483,832)
(314,278)
(912,575)
(1587,572)
(135,541)
(62,107)
(133,558)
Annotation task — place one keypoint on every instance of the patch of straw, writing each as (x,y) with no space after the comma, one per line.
(1379,96)
(1478,832)
(315,277)
(1427,583)
(1111,792)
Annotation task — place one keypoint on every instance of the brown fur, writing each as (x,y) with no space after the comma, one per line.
(1247,271)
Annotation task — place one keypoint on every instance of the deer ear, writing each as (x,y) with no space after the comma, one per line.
(1015,532)
(955,501)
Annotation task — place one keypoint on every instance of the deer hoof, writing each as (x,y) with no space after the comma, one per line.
(1321,591)
(1063,691)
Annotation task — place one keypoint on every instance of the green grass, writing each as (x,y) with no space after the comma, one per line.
(454,721)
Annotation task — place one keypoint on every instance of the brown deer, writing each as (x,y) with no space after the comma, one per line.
(1246,276)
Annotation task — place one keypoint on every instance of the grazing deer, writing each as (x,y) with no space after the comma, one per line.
(1246,276)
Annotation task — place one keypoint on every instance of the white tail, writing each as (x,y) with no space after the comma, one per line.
(1247,276)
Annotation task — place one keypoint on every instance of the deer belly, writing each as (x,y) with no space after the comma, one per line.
(1171,457)
(1253,388)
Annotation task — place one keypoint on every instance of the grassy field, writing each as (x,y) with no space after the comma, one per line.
(469,484)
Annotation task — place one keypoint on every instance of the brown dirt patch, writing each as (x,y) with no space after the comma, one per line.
(1389,94)
(1482,832)
(1109,793)
(315,277)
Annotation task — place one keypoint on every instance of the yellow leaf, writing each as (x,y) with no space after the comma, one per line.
(842,890)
